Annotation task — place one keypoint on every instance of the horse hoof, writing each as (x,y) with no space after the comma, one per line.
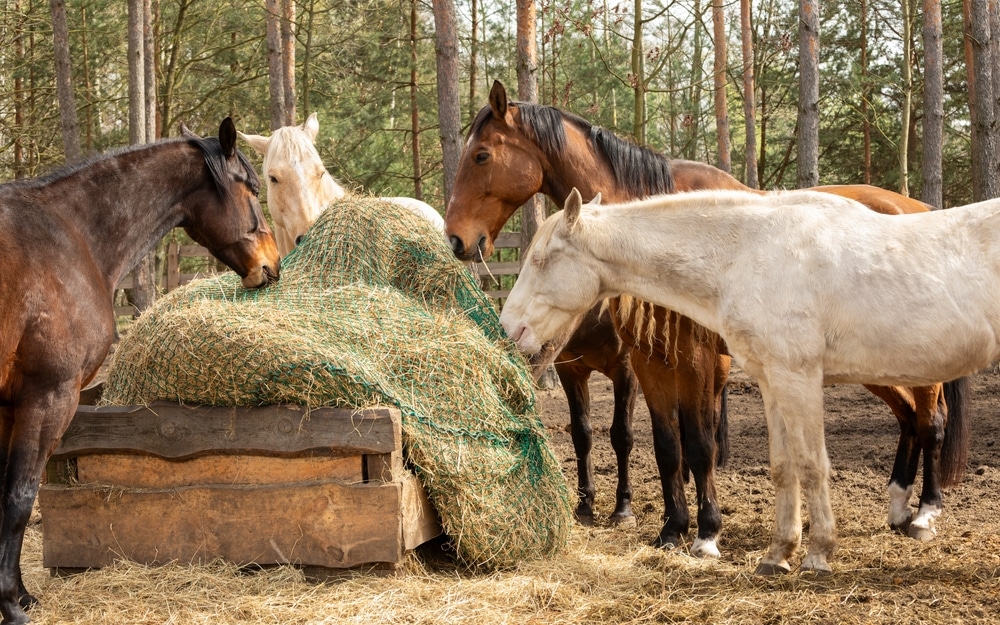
(816,565)
(622,520)
(586,520)
(26,601)
(666,542)
(770,570)
(706,549)
(922,534)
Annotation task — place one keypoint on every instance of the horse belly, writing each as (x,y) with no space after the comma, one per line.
(915,360)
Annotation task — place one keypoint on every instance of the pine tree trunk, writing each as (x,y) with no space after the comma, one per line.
(64,82)
(275,68)
(449,113)
(749,103)
(288,60)
(721,102)
(533,213)
(932,189)
(808,124)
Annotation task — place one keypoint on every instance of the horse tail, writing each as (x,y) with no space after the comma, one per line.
(722,432)
(955,448)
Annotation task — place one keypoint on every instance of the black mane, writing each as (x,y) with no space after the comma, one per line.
(216,161)
(642,171)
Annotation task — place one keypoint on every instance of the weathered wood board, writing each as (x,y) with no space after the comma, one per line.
(267,485)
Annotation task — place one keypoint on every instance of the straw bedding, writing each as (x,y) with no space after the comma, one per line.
(372,309)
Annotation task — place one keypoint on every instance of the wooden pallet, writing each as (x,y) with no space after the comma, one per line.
(325,490)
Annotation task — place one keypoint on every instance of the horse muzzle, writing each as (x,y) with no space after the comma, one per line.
(476,254)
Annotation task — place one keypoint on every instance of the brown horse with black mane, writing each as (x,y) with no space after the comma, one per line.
(66,240)
(515,150)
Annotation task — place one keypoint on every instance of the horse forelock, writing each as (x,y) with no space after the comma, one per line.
(211,148)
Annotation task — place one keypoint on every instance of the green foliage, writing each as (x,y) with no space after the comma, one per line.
(354,68)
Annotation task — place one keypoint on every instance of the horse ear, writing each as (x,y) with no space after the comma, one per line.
(498,100)
(596,200)
(257,142)
(186,132)
(311,127)
(571,208)
(227,137)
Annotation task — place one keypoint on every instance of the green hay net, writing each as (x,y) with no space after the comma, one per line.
(372,309)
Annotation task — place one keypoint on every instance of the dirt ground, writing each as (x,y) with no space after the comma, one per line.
(861,438)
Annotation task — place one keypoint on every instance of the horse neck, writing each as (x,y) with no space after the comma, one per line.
(122,205)
(329,190)
(658,254)
(579,166)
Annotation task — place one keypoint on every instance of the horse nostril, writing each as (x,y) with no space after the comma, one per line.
(456,245)
(481,249)
(299,238)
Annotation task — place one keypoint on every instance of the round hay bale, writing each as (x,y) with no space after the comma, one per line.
(372,309)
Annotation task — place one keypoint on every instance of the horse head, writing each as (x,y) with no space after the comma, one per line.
(226,216)
(500,169)
(299,187)
(557,282)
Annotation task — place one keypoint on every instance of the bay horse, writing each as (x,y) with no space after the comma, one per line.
(66,240)
(825,291)
(299,187)
(515,149)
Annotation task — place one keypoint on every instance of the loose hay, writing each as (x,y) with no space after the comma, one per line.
(372,309)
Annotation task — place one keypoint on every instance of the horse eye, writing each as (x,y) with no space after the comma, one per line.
(273,179)
(482,157)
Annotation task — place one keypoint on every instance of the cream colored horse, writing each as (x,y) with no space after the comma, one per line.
(299,187)
(806,288)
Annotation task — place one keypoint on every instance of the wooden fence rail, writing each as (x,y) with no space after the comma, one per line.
(489,274)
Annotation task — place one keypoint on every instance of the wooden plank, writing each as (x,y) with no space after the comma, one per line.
(506,240)
(511,268)
(319,524)
(420,520)
(171,430)
(131,471)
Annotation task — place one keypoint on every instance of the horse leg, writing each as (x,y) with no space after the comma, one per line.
(903,403)
(626,388)
(932,417)
(32,428)
(701,377)
(574,382)
(794,407)
(658,381)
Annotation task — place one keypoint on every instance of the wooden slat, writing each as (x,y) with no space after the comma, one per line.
(508,240)
(170,430)
(321,524)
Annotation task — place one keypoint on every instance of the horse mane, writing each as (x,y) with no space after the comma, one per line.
(210,147)
(639,170)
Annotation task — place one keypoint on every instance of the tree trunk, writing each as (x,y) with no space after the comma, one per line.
(721,104)
(985,182)
(449,113)
(288,60)
(808,124)
(275,68)
(418,191)
(18,93)
(64,82)
(692,118)
(866,123)
(904,122)
(143,291)
(474,102)
(932,188)
(749,105)
(533,213)
(638,77)
(149,68)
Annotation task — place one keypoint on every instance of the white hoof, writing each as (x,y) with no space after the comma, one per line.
(816,563)
(705,548)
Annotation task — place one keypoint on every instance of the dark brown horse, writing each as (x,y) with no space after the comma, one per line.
(514,150)
(65,242)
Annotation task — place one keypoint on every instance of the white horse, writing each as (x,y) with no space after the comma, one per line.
(299,187)
(806,288)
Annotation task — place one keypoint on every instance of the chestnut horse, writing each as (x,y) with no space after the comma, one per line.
(66,240)
(514,150)
(794,300)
